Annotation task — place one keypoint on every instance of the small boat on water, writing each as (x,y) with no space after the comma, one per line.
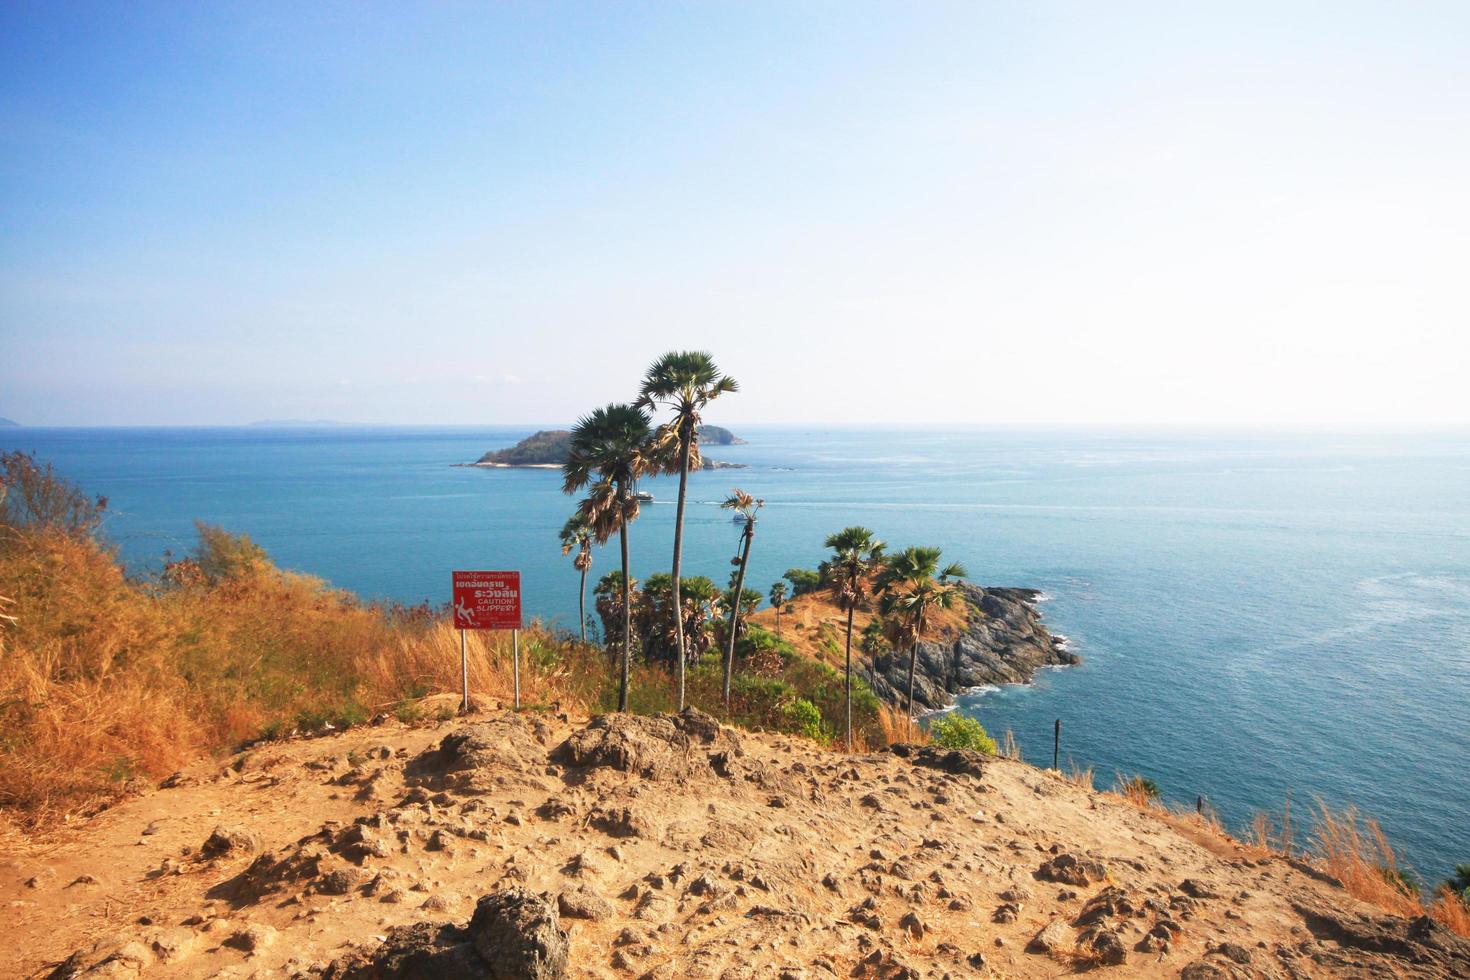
(643,496)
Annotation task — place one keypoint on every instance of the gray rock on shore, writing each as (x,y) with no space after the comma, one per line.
(1005,642)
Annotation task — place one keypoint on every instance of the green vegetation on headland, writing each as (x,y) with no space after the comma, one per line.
(550,447)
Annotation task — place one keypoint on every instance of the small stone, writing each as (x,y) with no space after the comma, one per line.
(1055,936)
(584,903)
(253,939)
(226,841)
(912,924)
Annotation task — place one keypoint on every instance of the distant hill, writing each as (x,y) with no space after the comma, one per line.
(713,435)
(550,447)
(8,424)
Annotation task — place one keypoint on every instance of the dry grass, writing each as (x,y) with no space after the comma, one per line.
(106,681)
(1080,777)
(1450,911)
(1354,850)
(108,684)
(1136,791)
(1268,836)
(1009,749)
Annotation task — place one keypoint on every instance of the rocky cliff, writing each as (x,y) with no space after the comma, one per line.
(1002,642)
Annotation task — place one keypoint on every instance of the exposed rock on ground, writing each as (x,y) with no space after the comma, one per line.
(652,746)
(536,847)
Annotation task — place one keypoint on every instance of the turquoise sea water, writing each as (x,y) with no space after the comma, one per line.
(1261,616)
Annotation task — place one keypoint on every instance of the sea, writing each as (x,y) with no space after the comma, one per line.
(1264,618)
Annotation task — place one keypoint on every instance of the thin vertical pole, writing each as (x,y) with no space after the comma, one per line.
(1056,746)
(464,674)
(515,644)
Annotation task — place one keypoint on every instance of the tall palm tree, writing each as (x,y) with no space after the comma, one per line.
(778,599)
(611,444)
(855,555)
(683,382)
(744,505)
(911,586)
(576,534)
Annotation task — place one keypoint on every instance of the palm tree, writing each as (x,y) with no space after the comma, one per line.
(576,533)
(911,586)
(744,505)
(612,444)
(683,382)
(855,555)
(778,599)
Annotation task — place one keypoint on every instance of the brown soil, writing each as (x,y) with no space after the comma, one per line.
(673,848)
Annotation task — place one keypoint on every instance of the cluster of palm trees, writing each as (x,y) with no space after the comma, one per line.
(909,586)
(611,448)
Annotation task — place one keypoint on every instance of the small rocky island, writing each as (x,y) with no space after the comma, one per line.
(548,449)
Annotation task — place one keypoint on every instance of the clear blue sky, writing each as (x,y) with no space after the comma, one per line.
(905,212)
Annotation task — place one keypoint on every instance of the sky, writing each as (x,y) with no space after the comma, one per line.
(901,213)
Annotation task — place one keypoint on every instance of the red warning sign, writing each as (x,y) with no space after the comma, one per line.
(487,600)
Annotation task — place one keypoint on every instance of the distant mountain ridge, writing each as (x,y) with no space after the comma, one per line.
(9,424)
(550,447)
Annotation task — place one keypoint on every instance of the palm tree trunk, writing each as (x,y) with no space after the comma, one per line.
(582,607)
(849,677)
(735,609)
(684,442)
(778,622)
(913,662)
(627,608)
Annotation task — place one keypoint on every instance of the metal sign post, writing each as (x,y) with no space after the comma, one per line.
(464,674)
(488,601)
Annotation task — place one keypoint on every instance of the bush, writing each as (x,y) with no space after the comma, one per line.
(957,731)
(802,718)
(803,580)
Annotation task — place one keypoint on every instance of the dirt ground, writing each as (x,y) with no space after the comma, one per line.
(672,848)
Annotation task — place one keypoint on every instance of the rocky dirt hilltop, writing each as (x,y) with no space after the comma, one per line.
(521,846)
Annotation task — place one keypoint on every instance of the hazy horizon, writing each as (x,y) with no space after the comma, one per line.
(1056,215)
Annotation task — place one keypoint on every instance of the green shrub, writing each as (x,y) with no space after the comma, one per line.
(956,731)
(801,717)
(803,580)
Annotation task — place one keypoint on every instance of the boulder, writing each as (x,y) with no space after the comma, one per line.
(519,936)
(484,757)
(584,903)
(1069,869)
(653,746)
(227,841)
